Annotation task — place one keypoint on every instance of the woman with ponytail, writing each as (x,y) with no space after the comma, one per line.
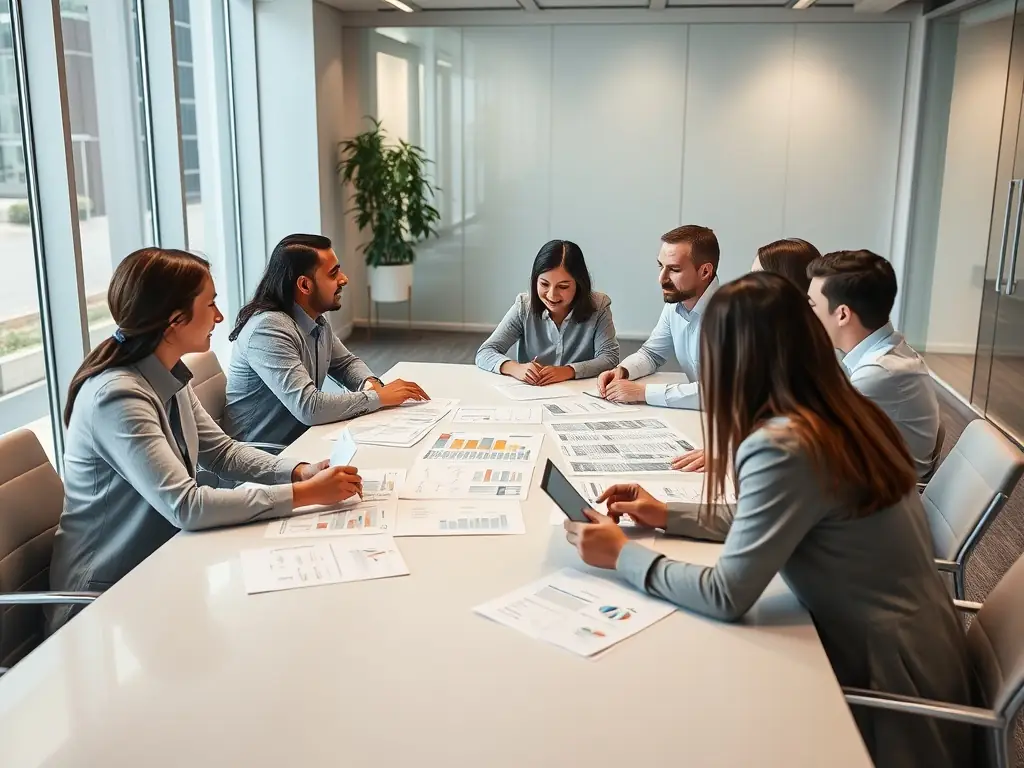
(136,433)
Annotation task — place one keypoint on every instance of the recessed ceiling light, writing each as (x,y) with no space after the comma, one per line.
(403,7)
(799,5)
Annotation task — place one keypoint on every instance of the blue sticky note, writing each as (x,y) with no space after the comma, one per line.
(344,449)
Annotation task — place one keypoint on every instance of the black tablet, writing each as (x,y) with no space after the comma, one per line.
(560,491)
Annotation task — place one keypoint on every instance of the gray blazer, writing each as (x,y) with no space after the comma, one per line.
(883,614)
(128,486)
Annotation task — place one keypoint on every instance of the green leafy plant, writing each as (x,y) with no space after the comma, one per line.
(391,195)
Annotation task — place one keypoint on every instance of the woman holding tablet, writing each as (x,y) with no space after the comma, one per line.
(136,433)
(563,328)
(827,497)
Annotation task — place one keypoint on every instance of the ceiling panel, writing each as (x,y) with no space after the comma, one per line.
(592,3)
(463,5)
(725,3)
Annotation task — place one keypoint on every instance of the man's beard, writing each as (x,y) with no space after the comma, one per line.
(331,305)
(673,295)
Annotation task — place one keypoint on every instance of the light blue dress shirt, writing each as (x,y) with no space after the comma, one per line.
(678,332)
(589,348)
(887,371)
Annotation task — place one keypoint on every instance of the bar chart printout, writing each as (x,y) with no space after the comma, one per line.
(475,480)
(484,446)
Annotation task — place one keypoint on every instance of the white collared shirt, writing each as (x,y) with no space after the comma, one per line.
(887,371)
(677,332)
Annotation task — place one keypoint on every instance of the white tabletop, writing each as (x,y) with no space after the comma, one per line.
(176,665)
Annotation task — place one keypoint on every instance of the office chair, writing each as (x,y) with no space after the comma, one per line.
(995,644)
(966,493)
(31,500)
(210,385)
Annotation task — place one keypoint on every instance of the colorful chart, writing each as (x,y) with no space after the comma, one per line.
(466,446)
(613,613)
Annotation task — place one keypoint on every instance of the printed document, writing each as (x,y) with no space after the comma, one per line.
(310,565)
(577,611)
(491,446)
(519,390)
(402,427)
(583,406)
(453,480)
(455,518)
(619,446)
(488,414)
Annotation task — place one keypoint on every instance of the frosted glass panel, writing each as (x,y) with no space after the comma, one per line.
(507,159)
(617,130)
(845,134)
(423,95)
(739,88)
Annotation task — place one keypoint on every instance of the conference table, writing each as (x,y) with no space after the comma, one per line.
(177,666)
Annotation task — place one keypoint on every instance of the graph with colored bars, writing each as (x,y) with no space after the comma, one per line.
(501,482)
(465,447)
(471,523)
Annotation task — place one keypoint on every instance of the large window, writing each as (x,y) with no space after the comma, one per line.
(23,396)
(105,101)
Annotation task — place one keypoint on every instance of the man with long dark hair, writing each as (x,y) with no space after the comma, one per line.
(285,349)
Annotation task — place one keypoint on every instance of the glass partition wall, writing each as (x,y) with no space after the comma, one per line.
(965,307)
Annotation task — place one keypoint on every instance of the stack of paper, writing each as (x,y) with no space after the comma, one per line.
(451,518)
(310,565)
(489,414)
(402,427)
(576,611)
(619,446)
(583,406)
(518,390)
(371,513)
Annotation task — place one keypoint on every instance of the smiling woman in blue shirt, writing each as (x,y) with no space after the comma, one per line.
(563,328)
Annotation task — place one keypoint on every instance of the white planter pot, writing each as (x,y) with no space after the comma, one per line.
(391,283)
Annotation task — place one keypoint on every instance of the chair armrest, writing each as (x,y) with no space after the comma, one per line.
(274,448)
(967,606)
(48,598)
(946,565)
(912,705)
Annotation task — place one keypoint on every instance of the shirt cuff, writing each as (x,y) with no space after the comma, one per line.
(635,562)
(633,371)
(372,400)
(654,394)
(284,469)
(579,370)
(281,498)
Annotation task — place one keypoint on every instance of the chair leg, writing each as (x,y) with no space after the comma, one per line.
(1001,748)
(959,590)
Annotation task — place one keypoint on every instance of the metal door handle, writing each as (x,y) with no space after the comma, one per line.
(1006,231)
(1012,271)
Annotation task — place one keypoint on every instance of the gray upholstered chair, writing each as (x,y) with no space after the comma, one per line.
(995,642)
(966,493)
(210,385)
(31,500)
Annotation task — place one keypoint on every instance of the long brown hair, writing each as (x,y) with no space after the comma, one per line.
(764,354)
(147,289)
(789,258)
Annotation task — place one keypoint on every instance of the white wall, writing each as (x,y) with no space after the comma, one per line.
(612,135)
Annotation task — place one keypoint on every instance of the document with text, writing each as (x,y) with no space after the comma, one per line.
(472,480)
(492,446)
(318,563)
(402,427)
(490,414)
(519,390)
(619,446)
(570,408)
(577,611)
(458,518)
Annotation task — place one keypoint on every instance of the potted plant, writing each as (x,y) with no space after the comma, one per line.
(391,197)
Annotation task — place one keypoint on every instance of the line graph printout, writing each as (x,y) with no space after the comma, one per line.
(619,446)
(493,446)
(451,480)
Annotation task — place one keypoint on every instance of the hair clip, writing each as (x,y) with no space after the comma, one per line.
(119,336)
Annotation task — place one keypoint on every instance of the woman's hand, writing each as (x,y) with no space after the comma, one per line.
(691,461)
(598,542)
(630,499)
(524,372)
(328,485)
(552,374)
